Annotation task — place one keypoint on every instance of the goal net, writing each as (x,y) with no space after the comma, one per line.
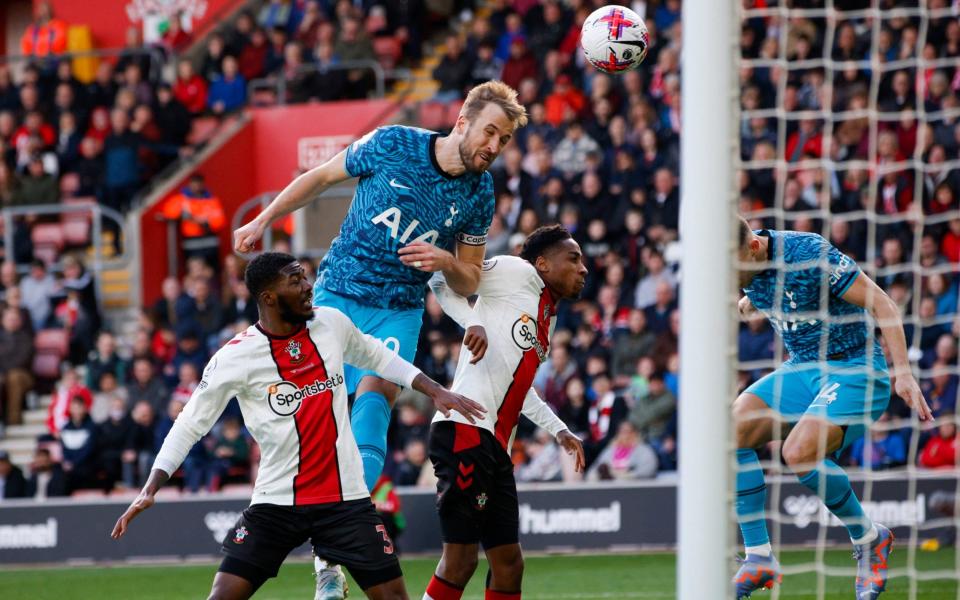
(850,128)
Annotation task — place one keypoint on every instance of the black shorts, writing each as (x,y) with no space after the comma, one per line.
(476,491)
(345,533)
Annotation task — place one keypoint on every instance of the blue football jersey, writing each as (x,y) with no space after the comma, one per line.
(402,196)
(809,270)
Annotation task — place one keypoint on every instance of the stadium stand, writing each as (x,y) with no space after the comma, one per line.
(600,155)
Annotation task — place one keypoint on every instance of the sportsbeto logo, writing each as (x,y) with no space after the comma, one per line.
(524,334)
(285,397)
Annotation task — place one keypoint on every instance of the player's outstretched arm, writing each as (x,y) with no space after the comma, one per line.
(298,194)
(867,294)
(458,309)
(535,409)
(462,271)
(141,503)
(445,400)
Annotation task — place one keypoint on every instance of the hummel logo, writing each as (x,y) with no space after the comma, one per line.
(393,183)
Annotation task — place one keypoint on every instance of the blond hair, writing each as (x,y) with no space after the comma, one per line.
(498,93)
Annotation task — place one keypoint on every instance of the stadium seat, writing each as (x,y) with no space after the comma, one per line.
(76,232)
(202,130)
(453,111)
(387,49)
(46,366)
(52,341)
(87,494)
(432,115)
(47,234)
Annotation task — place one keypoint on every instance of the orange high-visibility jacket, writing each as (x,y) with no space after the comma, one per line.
(207,209)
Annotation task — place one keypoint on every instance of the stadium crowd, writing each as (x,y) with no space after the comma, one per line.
(600,155)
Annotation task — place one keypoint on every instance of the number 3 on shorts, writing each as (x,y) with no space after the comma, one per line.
(387,544)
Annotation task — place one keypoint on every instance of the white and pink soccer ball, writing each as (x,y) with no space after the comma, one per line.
(614,39)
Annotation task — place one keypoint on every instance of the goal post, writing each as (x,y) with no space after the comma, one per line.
(709,155)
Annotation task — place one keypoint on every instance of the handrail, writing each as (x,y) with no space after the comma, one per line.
(279,83)
(155,55)
(97,211)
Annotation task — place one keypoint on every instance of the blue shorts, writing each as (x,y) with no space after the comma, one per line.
(398,329)
(849,393)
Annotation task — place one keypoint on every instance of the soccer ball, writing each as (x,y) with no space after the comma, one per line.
(614,39)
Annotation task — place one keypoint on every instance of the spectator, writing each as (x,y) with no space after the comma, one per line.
(68,388)
(212,65)
(240,308)
(231,451)
(16,358)
(607,411)
(190,89)
(353,45)
(201,219)
(46,35)
(146,386)
(652,412)
(38,288)
(942,450)
(12,482)
(520,65)
(631,344)
(664,211)
(253,56)
(659,313)
(201,311)
(165,308)
(189,348)
(545,459)
(122,169)
(38,186)
(886,448)
(78,437)
(414,463)
(571,153)
(657,272)
(47,478)
(104,359)
(756,342)
(565,104)
(486,66)
(175,39)
(453,73)
(228,90)
(626,457)
(138,452)
(196,462)
(113,437)
(171,117)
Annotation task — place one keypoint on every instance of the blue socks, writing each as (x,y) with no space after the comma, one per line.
(832,485)
(751,499)
(369,420)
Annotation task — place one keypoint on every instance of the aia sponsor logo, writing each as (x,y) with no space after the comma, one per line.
(285,397)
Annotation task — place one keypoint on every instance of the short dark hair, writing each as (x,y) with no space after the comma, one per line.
(264,270)
(542,240)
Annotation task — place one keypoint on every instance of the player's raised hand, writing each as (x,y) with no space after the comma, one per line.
(475,339)
(247,236)
(907,388)
(574,446)
(140,504)
(425,257)
(447,401)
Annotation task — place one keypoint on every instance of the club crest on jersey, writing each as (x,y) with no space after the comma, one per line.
(285,397)
(482,501)
(240,534)
(524,333)
(293,349)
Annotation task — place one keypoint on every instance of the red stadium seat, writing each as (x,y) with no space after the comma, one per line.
(47,234)
(46,366)
(76,232)
(52,341)
(453,111)
(432,115)
(202,130)
(264,98)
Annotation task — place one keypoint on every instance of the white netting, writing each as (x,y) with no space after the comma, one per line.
(850,127)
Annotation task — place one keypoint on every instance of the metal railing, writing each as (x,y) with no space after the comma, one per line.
(154,54)
(278,83)
(97,213)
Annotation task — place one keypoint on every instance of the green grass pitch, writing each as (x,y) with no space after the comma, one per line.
(566,577)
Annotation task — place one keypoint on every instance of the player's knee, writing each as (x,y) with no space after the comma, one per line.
(509,571)
(797,455)
(459,570)
(746,424)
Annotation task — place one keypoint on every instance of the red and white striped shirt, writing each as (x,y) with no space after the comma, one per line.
(294,402)
(518,312)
